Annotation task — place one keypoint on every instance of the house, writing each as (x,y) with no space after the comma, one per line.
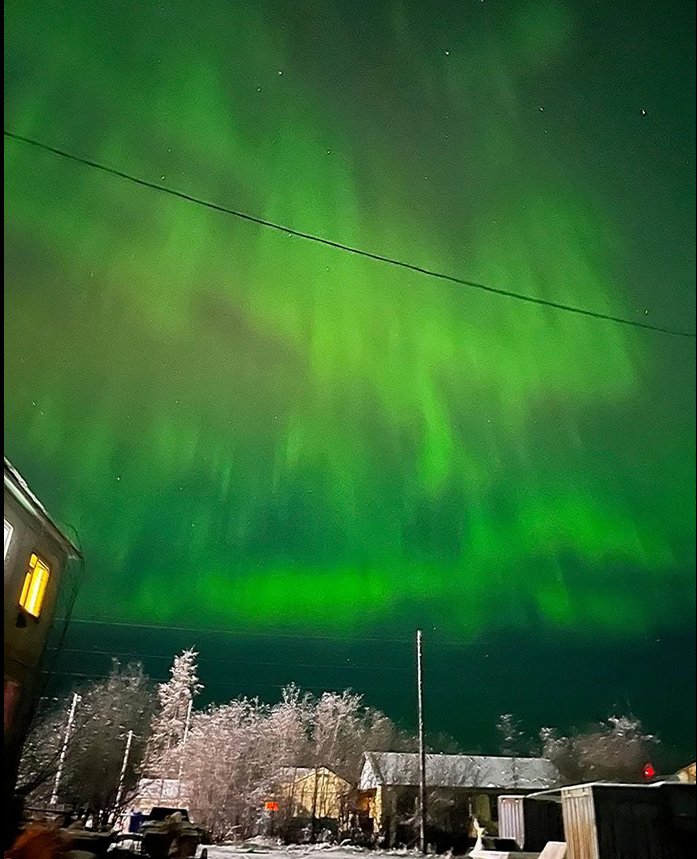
(313,792)
(159,793)
(36,554)
(687,775)
(459,787)
(607,820)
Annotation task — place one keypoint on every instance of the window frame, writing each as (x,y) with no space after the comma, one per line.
(9,534)
(35,586)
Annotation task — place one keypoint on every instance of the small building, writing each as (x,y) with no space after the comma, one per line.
(459,787)
(36,553)
(159,793)
(617,821)
(688,775)
(307,801)
(531,820)
(313,792)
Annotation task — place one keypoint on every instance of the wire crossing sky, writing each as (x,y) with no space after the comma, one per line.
(217,207)
(252,431)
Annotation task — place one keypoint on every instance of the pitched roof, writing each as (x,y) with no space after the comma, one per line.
(383,769)
(17,486)
(289,775)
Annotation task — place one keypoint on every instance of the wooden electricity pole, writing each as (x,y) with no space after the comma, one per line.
(423,799)
(64,747)
(124,771)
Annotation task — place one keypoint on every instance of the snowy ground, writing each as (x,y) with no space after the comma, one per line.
(316,851)
(275,851)
(297,851)
(260,848)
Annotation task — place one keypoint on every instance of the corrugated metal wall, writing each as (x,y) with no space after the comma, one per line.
(512,819)
(580,823)
(637,823)
(605,821)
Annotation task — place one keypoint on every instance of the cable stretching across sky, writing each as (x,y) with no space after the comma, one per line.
(566,308)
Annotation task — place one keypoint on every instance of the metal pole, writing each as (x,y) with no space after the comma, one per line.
(423,799)
(124,768)
(64,748)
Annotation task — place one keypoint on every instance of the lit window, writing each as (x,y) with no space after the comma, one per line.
(35,585)
(8,537)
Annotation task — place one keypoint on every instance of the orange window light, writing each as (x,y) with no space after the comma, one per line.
(35,584)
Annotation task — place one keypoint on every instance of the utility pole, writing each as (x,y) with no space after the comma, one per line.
(423,803)
(187,728)
(187,724)
(124,770)
(64,747)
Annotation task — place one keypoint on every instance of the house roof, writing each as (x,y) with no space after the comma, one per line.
(383,769)
(17,486)
(290,775)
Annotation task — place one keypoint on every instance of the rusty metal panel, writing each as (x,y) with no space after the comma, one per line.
(512,819)
(580,822)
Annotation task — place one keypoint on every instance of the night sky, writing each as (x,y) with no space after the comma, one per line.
(255,433)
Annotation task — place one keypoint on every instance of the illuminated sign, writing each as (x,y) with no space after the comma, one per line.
(271,806)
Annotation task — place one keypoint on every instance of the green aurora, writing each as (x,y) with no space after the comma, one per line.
(249,430)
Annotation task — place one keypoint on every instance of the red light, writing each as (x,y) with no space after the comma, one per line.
(649,771)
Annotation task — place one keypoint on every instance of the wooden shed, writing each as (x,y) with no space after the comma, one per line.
(531,821)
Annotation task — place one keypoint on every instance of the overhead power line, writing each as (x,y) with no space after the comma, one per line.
(245,633)
(203,660)
(471,284)
(461,684)
(236,684)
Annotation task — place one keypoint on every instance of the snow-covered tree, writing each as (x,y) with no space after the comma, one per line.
(227,772)
(175,700)
(616,749)
(240,754)
(229,758)
(103,716)
(512,740)
(288,729)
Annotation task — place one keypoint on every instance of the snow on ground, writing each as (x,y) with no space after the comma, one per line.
(271,850)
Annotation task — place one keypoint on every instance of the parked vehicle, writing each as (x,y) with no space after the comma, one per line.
(168,833)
